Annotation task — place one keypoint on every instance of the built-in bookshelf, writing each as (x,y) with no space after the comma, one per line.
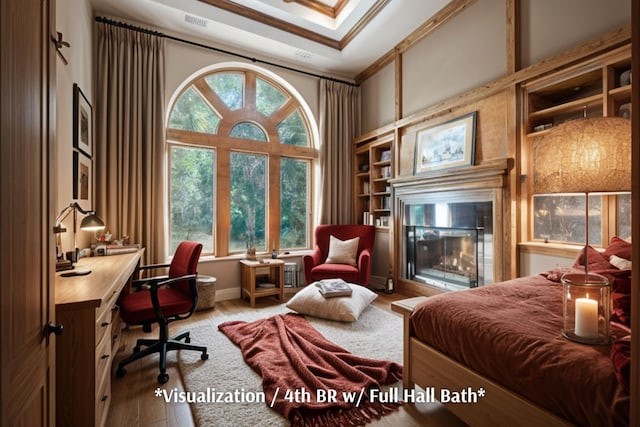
(373,170)
(597,87)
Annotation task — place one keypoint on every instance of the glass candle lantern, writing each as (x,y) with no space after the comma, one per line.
(585,308)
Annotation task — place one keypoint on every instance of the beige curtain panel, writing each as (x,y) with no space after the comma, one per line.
(340,107)
(130,146)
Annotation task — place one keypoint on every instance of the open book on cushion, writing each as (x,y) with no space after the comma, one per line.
(330,288)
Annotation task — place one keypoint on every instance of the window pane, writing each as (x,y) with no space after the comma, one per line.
(192,189)
(292,130)
(294,205)
(562,218)
(229,87)
(192,113)
(624,217)
(248,130)
(268,97)
(248,199)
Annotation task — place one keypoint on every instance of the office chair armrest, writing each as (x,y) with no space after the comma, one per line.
(138,283)
(153,290)
(167,281)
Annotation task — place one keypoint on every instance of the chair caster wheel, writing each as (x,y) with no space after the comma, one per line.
(163,378)
(120,372)
(204,356)
(136,349)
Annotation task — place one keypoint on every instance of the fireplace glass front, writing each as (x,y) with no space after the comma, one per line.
(451,258)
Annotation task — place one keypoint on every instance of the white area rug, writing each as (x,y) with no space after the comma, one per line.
(377,335)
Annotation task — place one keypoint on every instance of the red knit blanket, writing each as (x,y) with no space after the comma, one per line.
(300,369)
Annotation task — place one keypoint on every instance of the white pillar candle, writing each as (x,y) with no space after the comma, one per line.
(586,318)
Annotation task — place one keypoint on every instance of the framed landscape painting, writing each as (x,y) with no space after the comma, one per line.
(448,145)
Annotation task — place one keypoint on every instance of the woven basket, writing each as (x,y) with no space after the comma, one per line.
(206,295)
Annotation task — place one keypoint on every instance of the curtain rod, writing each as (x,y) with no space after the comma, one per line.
(204,46)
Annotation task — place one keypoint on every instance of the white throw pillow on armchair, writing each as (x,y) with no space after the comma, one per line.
(342,251)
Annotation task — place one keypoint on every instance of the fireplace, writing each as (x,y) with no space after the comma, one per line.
(447,226)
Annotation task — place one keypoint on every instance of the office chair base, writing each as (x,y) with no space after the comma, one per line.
(161,347)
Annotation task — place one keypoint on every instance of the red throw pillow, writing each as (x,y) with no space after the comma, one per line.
(618,247)
(596,260)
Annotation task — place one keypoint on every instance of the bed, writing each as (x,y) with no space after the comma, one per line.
(506,339)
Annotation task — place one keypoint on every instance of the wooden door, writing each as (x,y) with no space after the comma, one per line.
(27,101)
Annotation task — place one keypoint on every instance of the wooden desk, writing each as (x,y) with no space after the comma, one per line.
(248,271)
(86,307)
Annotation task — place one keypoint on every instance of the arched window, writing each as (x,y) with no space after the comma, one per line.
(241,155)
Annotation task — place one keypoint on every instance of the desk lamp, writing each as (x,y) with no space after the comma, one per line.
(91,222)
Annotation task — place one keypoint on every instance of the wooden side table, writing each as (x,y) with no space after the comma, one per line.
(248,272)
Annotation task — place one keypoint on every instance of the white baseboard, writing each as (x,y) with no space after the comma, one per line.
(227,294)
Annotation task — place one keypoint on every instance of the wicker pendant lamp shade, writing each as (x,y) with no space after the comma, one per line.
(590,155)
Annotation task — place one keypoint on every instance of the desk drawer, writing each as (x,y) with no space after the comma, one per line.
(103,399)
(103,325)
(103,360)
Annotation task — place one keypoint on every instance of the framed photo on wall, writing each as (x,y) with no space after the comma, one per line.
(82,122)
(448,145)
(82,176)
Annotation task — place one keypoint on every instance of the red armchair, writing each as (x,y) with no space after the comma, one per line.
(315,267)
(162,300)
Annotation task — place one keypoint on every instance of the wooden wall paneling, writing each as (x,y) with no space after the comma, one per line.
(398,85)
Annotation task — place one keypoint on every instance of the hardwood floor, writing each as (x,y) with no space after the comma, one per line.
(133,401)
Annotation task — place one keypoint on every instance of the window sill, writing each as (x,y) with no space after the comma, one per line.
(552,249)
(238,257)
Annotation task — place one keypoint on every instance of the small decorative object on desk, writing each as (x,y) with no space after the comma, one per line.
(102,250)
(274,254)
(330,288)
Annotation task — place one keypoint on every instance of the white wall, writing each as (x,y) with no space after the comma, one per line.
(457,57)
(378,98)
(74,19)
(550,27)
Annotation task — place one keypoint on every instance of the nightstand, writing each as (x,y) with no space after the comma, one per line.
(249,270)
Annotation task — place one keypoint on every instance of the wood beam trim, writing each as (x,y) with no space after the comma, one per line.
(280,24)
(273,22)
(441,17)
(398,86)
(320,7)
(362,23)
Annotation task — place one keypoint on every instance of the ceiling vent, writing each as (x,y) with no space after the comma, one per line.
(190,19)
(303,54)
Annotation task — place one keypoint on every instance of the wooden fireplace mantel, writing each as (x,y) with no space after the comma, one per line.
(490,174)
(489,180)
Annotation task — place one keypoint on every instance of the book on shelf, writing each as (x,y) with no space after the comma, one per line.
(331,288)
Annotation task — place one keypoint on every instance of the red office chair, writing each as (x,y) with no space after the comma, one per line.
(315,267)
(162,300)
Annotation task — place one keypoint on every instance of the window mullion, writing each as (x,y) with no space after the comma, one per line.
(223,200)
(274,202)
